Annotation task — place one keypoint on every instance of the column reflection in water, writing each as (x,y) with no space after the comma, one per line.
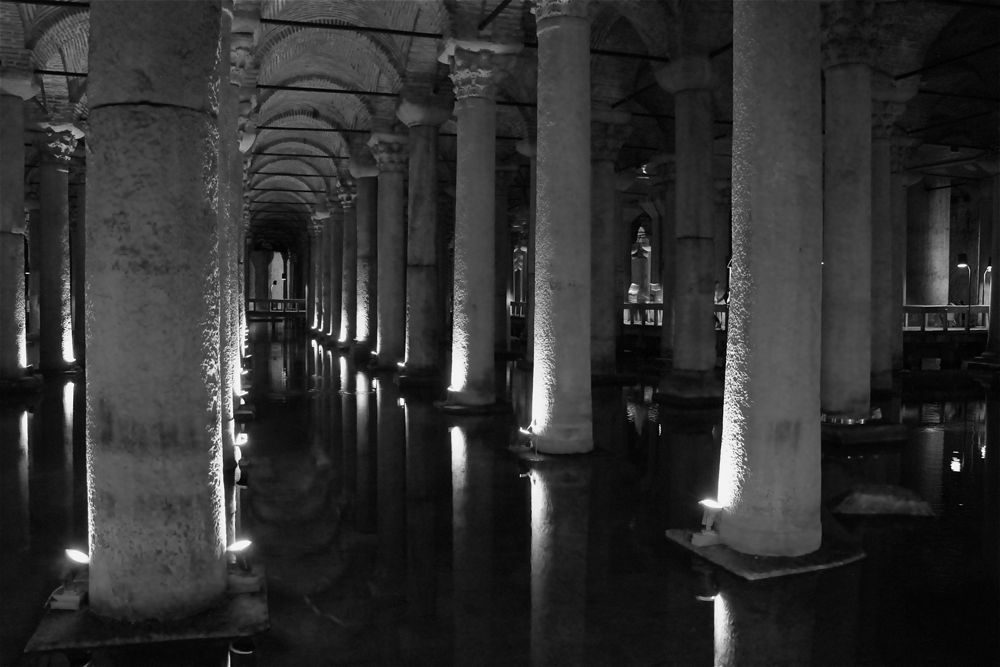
(391,486)
(364,505)
(472,537)
(51,468)
(560,517)
(924,465)
(990,452)
(349,426)
(14,535)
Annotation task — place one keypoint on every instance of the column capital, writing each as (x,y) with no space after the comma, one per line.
(608,131)
(901,150)
(413,113)
(687,73)
(240,56)
(477,66)
(346,197)
(57,145)
(848,32)
(389,150)
(884,115)
(362,166)
(546,9)
(18,82)
(527,147)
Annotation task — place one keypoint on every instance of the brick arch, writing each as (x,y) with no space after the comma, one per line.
(332,143)
(649,20)
(349,110)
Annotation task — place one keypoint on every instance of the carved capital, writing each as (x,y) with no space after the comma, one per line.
(884,115)
(687,73)
(477,67)
(347,196)
(413,113)
(57,146)
(390,151)
(849,30)
(546,9)
(18,82)
(240,56)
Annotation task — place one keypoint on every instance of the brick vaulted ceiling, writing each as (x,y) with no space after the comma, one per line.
(316,76)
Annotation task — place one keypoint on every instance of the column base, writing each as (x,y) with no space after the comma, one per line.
(25,384)
(67,368)
(871,433)
(471,403)
(690,388)
(564,439)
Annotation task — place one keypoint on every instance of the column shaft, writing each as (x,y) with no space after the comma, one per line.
(769,472)
(155,456)
(390,154)
(898,258)
(928,240)
(993,337)
(334,286)
(883,297)
(503,264)
(13,343)
(55,344)
(367,260)
(349,271)
(561,398)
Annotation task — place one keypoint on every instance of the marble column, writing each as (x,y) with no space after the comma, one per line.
(561,399)
(665,212)
(503,259)
(690,80)
(530,150)
(609,130)
(77,255)
(323,216)
(315,263)
(475,71)
(365,174)
(157,541)
(723,229)
(898,203)
(55,342)
(390,152)
(769,472)
(884,323)
(334,234)
(349,271)
(848,33)
(15,87)
(424,310)
(928,260)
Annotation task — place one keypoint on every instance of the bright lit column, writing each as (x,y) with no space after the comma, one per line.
(315,234)
(769,472)
(15,87)
(529,150)
(848,38)
(335,264)
(928,264)
(55,343)
(503,259)
(349,269)
(424,310)
(561,399)
(157,521)
(475,70)
(390,152)
(690,79)
(366,207)
(609,130)
(322,214)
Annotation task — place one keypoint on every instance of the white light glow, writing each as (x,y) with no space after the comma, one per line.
(238,546)
(78,556)
(459,458)
(982,451)
(242,440)
(237,455)
(524,431)
(401,402)
(956,463)
(710,503)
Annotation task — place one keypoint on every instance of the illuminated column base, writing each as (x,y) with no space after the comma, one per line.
(155,457)
(13,344)
(367,299)
(349,271)
(561,399)
(769,471)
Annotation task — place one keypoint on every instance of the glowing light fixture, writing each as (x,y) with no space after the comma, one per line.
(401,402)
(242,439)
(707,536)
(524,431)
(963,260)
(956,463)
(78,556)
(401,364)
(238,550)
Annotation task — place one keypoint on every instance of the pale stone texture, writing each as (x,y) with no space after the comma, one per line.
(334,237)
(77,257)
(847,233)
(609,130)
(390,153)
(367,258)
(503,259)
(928,260)
(561,399)
(530,150)
(349,270)
(313,288)
(769,473)
(157,526)
(424,310)
(882,311)
(55,344)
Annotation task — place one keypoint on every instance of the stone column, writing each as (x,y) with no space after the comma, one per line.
(928,260)
(666,249)
(993,337)
(424,310)
(561,400)
(55,342)
(900,185)
(769,471)
(884,324)
(334,279)
(503,259)
(530,150)
(15,87)
(690,79)
(366,206)
(609,130)
(77,256)
(723,228)
(349,269)
(475,71)
(847,216)
(390,152)
(323,252)
(155,458)
(315,262)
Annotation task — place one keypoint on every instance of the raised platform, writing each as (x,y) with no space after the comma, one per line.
(238,615)
(832,553)
(863,434)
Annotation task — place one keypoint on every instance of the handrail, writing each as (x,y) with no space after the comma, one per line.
(945,316)
(276,305)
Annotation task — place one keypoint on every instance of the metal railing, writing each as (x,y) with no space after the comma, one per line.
(945,317)
(276,305)
(651,315)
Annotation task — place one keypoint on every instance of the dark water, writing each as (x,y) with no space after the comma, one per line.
(394,535)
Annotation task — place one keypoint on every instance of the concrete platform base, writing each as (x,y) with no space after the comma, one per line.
(863,434)
(690,389)
(488,409)
(238,615)
(831,554)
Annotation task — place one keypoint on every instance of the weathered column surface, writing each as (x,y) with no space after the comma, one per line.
(390,152)
(15,87)
(155,457)
(315,269)
(349,269)
(424,310)
(503,264)
(769,472)
(847,212)
(475,70)
(335,262)
(55,341)
(324,217)
(529,149)
(609,130)
(899,199)
(365,174)
(928,242)
(561,399)
(882,309)
(690,79)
